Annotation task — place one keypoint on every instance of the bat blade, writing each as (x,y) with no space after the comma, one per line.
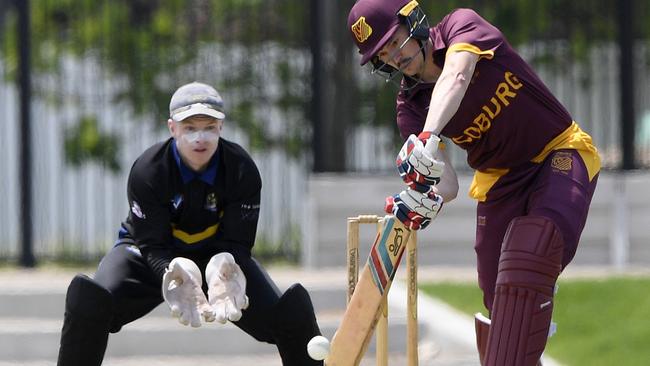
(351,339)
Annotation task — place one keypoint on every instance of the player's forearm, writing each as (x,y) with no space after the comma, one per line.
(450,89)
(447,189)
(157,259)
(448,186)
(445,100)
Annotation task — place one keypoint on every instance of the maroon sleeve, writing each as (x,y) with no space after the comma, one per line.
(412,112)
(465,26)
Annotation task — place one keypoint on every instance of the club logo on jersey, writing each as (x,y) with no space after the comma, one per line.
(361,30)
(561,161)
(135,208)
(211,202)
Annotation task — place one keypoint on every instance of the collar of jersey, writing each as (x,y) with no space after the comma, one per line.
(188,174)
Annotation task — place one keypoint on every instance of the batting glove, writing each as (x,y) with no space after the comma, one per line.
(416,164)
(414,209)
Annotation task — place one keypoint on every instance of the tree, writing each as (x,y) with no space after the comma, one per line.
(150,45)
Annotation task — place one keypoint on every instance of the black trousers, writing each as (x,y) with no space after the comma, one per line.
(124,289)
(136,289)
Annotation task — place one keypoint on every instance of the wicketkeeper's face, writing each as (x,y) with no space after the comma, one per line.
(197,138)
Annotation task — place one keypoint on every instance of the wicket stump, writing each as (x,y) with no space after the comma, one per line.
(412,298)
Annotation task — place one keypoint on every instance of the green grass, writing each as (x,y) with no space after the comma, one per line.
(600,322)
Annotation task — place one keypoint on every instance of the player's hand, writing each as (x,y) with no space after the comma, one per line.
(226,287)
(181,288)
(416,163)
(414,209)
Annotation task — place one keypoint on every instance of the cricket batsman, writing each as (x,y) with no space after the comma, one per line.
(194,204)
(535,169)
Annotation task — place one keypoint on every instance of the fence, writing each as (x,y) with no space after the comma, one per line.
(77,210)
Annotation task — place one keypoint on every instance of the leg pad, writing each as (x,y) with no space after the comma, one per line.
(530,262)
(88,313)
(482,327)
(294,324)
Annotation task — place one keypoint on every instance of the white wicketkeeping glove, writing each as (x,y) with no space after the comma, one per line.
(226,287)
(181,288)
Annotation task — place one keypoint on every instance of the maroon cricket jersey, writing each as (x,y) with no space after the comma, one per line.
(507,115)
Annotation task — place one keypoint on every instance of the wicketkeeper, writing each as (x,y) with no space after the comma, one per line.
(194,203)
(535,169)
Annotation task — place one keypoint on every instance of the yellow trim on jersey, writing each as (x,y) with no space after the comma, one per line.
(575,139)
(194,238)
(456,47)
(483,181)
(572,138)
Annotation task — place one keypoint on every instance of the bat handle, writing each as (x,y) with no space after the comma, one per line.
(432,143)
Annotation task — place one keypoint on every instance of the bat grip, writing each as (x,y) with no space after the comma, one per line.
(432,143)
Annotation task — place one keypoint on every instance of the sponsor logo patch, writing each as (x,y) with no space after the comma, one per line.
(133,249)
(177,201)
(361,30)
(250,212)
(481,221)
(504,95)
(135,208)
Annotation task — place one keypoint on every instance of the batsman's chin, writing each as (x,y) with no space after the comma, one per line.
(318,348)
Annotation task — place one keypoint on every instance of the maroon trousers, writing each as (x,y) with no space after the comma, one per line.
(559,189)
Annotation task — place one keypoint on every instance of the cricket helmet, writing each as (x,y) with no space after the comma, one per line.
(373,22)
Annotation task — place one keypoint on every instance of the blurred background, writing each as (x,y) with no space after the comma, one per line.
(84,89)
(85,85)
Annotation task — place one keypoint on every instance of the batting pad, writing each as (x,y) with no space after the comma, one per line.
(530,262)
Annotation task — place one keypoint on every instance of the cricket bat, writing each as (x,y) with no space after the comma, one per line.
(351,339)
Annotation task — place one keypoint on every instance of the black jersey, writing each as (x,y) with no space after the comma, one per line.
(175,211)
